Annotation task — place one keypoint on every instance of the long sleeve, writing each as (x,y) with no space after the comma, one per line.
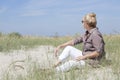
(78,40)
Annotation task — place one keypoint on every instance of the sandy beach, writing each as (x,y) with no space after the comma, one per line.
(19,61)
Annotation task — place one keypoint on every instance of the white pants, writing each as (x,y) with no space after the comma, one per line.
(73,52)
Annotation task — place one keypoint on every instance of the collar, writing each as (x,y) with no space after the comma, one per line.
(92,30)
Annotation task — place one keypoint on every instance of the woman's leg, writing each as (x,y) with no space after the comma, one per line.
(68,51)
(69,65)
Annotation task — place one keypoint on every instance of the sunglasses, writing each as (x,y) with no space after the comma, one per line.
(83,21)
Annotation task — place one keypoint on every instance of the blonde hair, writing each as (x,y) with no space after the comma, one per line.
(90,19)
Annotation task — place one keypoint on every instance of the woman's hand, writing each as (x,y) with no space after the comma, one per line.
(56,51)
(80,58)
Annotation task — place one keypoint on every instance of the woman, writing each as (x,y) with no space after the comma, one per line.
(93,46)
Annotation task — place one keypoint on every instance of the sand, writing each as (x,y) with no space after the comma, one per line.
(19,61)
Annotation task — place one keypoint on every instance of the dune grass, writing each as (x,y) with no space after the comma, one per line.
(107,72)
(12,43)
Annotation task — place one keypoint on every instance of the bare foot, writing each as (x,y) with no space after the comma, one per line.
(56,64)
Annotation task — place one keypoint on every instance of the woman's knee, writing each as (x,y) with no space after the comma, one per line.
(69,47)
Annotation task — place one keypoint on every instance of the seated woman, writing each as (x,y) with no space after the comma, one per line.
(93,46)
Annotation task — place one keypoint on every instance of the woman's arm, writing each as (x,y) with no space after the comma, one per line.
(69,43)
(87,56)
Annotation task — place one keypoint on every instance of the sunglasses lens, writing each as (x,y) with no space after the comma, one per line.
(82,21)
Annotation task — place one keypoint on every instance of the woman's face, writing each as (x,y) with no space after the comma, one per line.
(85,25)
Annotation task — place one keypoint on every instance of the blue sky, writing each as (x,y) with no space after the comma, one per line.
(46,17)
